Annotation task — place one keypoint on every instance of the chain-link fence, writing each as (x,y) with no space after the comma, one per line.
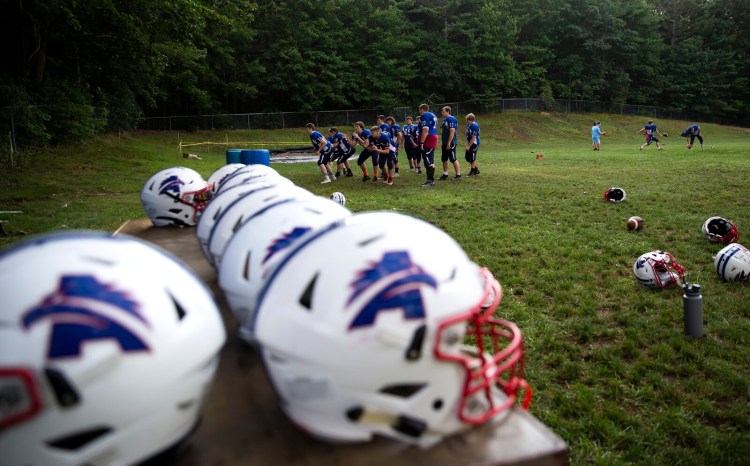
(326,118)
(9,121)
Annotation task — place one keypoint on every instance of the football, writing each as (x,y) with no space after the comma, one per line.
(635,223)
(665,135)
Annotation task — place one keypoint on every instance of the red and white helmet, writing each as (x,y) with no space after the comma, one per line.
(250,173)
(387,336)
(261,242)
(98,361)
(216,207)
(658,269)
(237,212)
(175,196)
(733,263)
(222,173)
(615,195)
(720,230)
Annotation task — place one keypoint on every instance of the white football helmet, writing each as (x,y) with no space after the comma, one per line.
(615,195)
(250,173)
(733,263)
(720,230)
(215,208)
(386,336)
(235,214)
(222,174)
(338,198)
(260,243)
(175,196)
(98,361)
(658,269)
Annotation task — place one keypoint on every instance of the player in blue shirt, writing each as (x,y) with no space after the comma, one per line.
(397,136)
(381,143)
(363,137)
(596,133)
(650,132)
(691,133)
(324,150)
(450,139)
(411,146)
(427,138)
(343,149)
(472,143)
(384,128)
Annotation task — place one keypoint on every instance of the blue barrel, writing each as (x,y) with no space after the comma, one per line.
(233,155)
(256,156)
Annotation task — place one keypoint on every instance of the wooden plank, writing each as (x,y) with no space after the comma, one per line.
(243,424)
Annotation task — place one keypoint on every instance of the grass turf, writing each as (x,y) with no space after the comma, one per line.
(613,373)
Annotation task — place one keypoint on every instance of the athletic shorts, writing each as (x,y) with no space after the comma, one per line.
(325,157)
(389,159)
(364,155)
(595,139)
(431,141)
(344,156)
(449,155)
(471,154)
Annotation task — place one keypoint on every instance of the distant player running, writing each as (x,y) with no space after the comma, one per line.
(650,132)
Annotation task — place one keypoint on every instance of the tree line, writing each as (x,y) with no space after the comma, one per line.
(71,69)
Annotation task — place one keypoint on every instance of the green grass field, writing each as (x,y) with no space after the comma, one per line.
(613,374)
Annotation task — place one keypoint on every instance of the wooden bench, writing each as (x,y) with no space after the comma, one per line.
(243,424)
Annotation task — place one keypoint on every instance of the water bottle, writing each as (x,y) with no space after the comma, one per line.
(692,310)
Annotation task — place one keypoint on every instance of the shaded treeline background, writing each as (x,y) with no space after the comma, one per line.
(70,69)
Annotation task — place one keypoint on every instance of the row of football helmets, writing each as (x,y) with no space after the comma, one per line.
(375,335)
(659,269)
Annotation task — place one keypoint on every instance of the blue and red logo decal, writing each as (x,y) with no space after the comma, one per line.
(284,241)
(171,184)
(83,309)
(399,282)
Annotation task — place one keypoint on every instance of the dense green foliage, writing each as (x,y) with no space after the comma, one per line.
(613,374)
(76,68)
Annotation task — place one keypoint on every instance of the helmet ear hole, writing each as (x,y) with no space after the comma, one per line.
(306,299)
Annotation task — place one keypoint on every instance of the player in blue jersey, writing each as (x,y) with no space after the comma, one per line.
(691,133)
(343,149)
(397,137)
(427,138)
(324,150)
(381,143)
(384,128)
(363,137)
(650,132)
(449,141)
(472,143)
(410,145)
(596,133)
